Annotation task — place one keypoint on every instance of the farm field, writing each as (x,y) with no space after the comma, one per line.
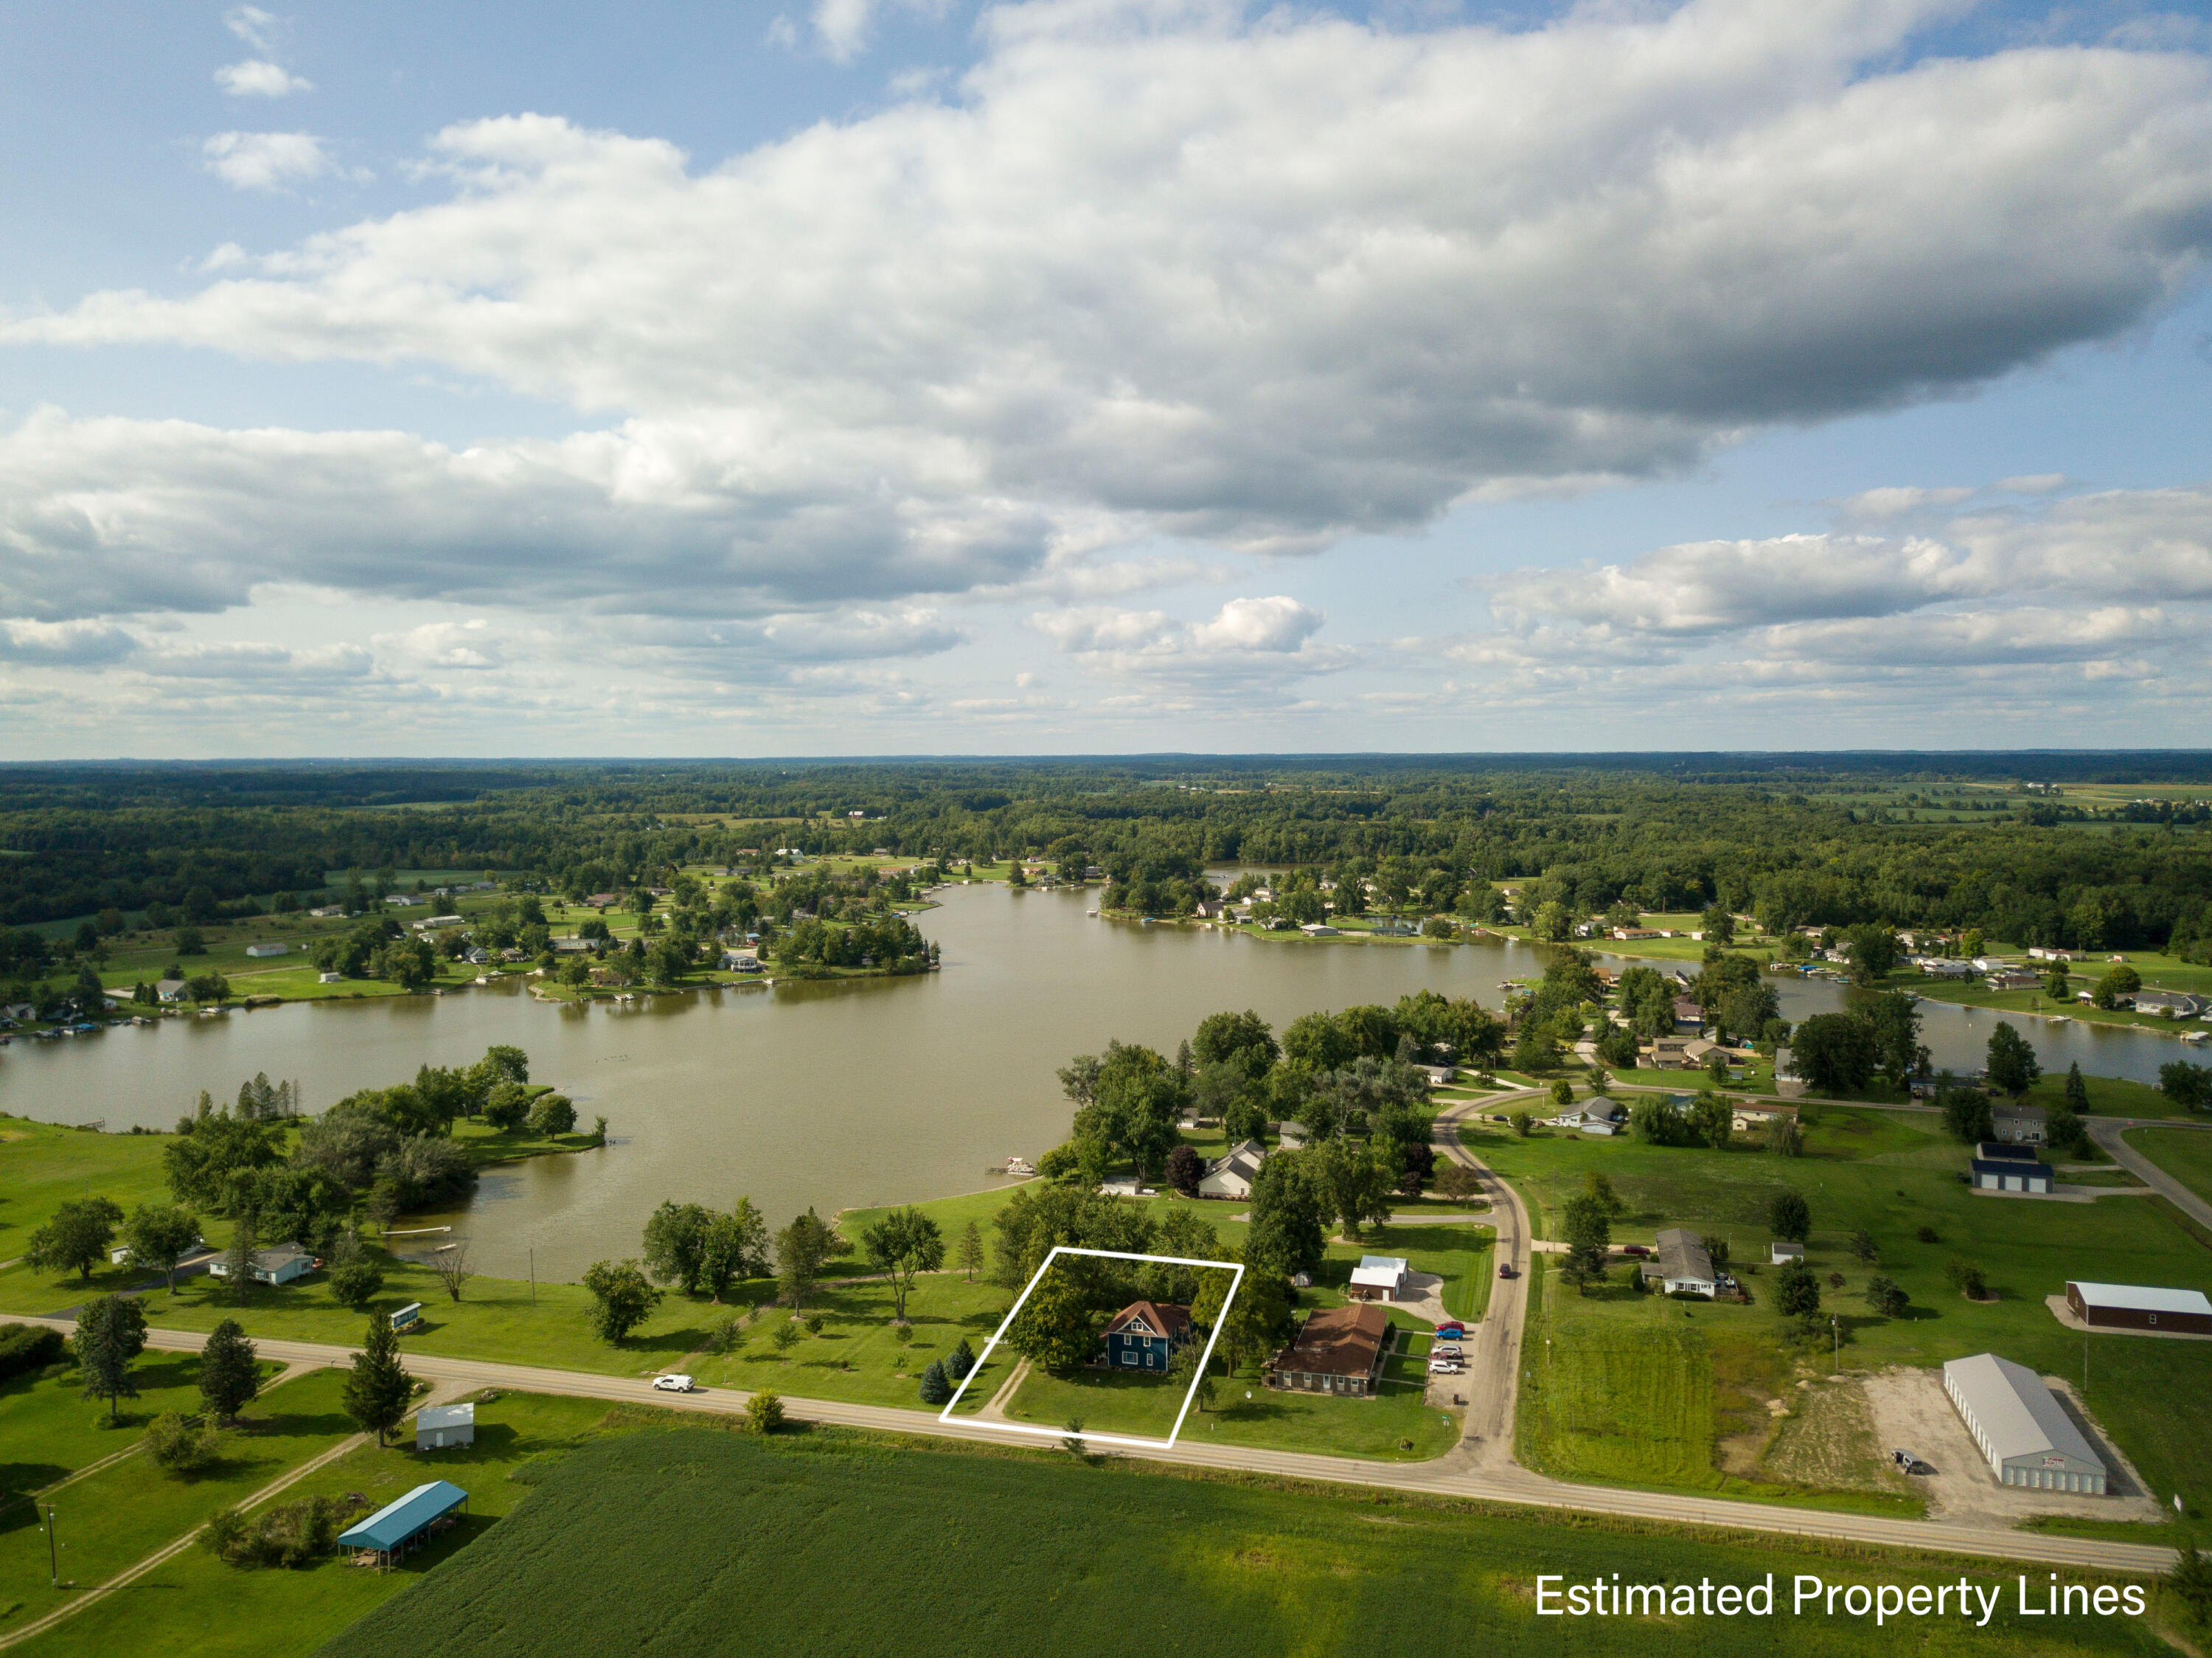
(2184,1153)
(1890,1173)
(1035,1553)
(111,1519)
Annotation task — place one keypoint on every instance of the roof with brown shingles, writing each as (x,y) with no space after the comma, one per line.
(1344,1341)
(1167,1319)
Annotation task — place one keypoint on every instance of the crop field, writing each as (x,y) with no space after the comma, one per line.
(2184,1153)
(753,1547)
(1890,1173)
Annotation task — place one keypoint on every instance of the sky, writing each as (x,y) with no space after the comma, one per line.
(915,376)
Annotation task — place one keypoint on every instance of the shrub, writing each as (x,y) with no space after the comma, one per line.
(765,1412)
(1887,1296)
(1928,1234)
(291,1535)
(26,1347)
(1966,1278)
(179,1447)
(1186,1168)
(356,1283)
(814,1326)
(784,1334)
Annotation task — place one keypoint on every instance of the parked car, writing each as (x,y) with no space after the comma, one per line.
(678,1384)
(1636,1250)
(1445,1367)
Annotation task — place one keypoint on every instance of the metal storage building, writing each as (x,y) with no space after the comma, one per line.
(2010,1174)
(2020,1427)
(401,1527)
(439,1426)
(2140,1307)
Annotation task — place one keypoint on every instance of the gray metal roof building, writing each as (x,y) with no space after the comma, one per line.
(2020,1427)
(439,1426)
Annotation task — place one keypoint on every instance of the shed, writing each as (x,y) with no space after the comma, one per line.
(2020,1427)
(2010,1174)
(402,1527)
(1378,1278)
(1783,1251)
(256,951)
(2139,1307)
(438,1427)
(1683,1267)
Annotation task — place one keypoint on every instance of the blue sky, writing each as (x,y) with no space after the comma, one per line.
(862,377)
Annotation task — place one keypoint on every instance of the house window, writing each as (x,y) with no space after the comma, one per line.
(2153,1318)
(1129,1357)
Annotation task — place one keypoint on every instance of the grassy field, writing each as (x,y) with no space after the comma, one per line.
(195,1606)
(2184,1153)
(1890,1173)
(111,1519)
(751,1542)
(857,1356)
(46,1165)
(49,1429)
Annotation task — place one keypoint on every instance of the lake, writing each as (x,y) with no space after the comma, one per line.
(868,1092)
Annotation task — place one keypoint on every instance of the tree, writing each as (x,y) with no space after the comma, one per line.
(78,1238)
(735,1247)
(971,1250)
(1288,1209)
(110,1332)
(1966,1111)
(1783,1137)
(2191,1582)
(1894,1017)
(179,1447)
(1187,1369)
(506,1106)
(1654,1120)
(1789,1217)
(936,1386)
(1966,1278)
(675,1239)
(1254,1320)
(451,1269)
(623,1298)
(1358,1179)
(765,1412)
(1796,1291)
(1456,1180)
(2062,1131)
(2078,1090)
(160,1237)
(377,1391)
(1186,1168)
(1875,951)
(2189,1086)
(1716,1247)
(1599,1186)
(1887,1296)
(1058,1327)
(902,1246)
(1710,1120)
(1862,1246)
(553,1114)
(1563,1094)
(1243,1040)
(2013,1066)
(1586,1227)
(802,1250)
(244,1254)
(1835,1052)
(230,1374)
(1523,1122)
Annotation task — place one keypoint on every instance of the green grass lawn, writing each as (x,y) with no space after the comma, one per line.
(46,1166)
(2031,1004)
(195,1606)
(753,1545)
(1890,1173)
(110,1520)
(49,1429)
(496,1318)
(857,1357)
(2184,1153)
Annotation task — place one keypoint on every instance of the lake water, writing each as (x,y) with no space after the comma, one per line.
(872,1092)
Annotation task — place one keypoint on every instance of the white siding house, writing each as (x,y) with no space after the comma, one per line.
(1232,1176)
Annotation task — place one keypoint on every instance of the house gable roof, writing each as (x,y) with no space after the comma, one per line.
(1150,1318)
(1344,1341)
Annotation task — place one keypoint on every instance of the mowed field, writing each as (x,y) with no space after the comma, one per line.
(694,1543)
(2184,1153)
(1641,1390)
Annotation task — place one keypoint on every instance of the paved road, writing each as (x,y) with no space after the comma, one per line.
(1478,1471)
(2108,1132)
(1492,1382)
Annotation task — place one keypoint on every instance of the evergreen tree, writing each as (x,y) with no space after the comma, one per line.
(110,1332)
(230,1374)
(935,1389)
(377,1391)
(960,1361)
(971,1253)
(2077,1091)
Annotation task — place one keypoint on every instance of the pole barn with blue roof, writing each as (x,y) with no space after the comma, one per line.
(399,1527)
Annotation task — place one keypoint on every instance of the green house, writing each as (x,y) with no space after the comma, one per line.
(1144,1336)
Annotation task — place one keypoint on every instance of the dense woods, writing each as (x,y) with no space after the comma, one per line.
(1992,842)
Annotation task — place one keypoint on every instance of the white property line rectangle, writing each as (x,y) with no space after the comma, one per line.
(1012,1313)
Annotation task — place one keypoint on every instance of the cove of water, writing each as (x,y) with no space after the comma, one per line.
(869,1092)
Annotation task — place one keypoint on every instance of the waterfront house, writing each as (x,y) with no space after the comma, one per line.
(170,990)
(1689,1017)
(2171,1003)
(2023,1126)
(1144,1334)
(1231,1176)
(271,1266)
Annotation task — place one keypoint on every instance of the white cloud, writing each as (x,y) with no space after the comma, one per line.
(844,29)
(256,77)
(1270,284)
(265,161)
(257,27)
(1247,641)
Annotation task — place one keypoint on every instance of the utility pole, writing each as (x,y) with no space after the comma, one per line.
(53,1553)
(533,1275)
(1836,1333)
